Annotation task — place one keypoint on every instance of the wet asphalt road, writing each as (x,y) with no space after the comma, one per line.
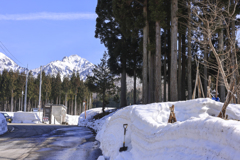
(35,141)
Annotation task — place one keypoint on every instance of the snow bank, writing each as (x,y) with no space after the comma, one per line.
(3,124)
(9,113)
(89,122)
(196,135)
(72,120)
(26,117)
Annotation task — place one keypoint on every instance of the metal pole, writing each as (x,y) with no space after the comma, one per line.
(39,103)
(25,98)
(22,102)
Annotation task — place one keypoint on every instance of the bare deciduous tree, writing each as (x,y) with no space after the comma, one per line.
(208,17)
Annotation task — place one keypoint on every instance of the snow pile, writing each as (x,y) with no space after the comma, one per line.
(26,117)
(9,113)
(195,135)
(3,124)
(72,120)
(89,122)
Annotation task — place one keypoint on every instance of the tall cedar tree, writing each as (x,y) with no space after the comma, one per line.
(131,22)
(158,15)
(108,30)
(103,81)
(65,87)
(76,85)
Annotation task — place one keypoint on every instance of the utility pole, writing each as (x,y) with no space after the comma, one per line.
(25,98)
(39,103)
(22,101)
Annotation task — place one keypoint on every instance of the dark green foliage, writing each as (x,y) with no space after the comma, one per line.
(13,83)
(102,82)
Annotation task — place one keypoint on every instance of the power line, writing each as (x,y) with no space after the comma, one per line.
(8,51)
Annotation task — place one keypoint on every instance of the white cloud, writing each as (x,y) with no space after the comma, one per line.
(48,16)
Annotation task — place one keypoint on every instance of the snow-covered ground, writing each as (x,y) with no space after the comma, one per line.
(72,120)
(89,122)
(36,117)
(197,134)
(3,124)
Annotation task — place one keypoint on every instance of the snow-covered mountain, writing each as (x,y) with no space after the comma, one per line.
(8,63)
(67,66)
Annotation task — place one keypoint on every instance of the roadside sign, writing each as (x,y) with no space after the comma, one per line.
(45,119)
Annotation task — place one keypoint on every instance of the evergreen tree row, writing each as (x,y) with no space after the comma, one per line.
(71,91)
(159,41)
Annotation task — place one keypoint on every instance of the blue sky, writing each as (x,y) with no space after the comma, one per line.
(37,32)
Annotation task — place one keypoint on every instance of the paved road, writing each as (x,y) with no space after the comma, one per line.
(34,141)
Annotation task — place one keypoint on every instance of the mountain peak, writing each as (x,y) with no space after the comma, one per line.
(67,66)
(64,67)
(7,63)
(72,58)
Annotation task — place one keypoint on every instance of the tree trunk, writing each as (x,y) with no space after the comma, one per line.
(144,69)
(230,95)
(66,99)
(165,66)
(169,62)
(80,109)
(57,100)
(150,76)
(158,65)
(233,54)
(183,66)
(4,106)
(90,104)
(46,98)
(68,108)
(60,97)
(179,66)
(205,81)
(189,68)
(28,105)
(19,104)
(103,105)
(11,100)
(134,86)
(15,105)
(72,107)
(75,107)
(221,84)
(174,30)
(123,84)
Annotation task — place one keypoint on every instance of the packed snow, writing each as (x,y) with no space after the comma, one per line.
(89,122)
(197,134)
(3,124)
(72,120)
(26,117)
(36,117)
